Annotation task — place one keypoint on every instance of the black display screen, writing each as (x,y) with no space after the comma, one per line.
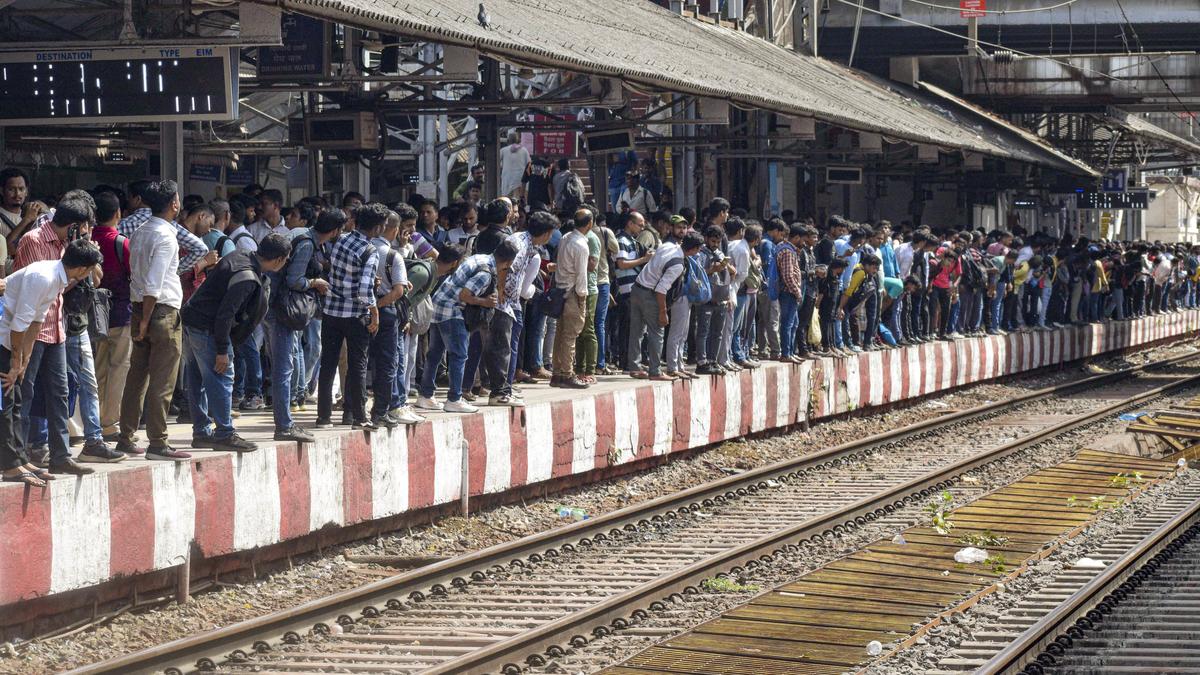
(1112,200)
(115,86)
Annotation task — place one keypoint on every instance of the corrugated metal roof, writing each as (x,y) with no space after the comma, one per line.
(1154,133)
(646,45)
(1029,137)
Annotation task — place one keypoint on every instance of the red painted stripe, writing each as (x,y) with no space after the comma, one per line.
(420,466)
(357,498)
(606,428)
(716,407)
(681,397)
(131,523)
(645,413)
(564,437)
(518,443)
(295,490)
(772,398)
(748,401)
(212,482)
(477,448)
(864,381)
(25,557)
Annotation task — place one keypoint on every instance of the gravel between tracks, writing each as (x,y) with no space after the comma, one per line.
(693,610)
(315,576)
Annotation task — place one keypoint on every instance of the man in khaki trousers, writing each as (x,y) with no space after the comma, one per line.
(571,275)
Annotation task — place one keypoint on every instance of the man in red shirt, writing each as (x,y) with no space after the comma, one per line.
(112,351)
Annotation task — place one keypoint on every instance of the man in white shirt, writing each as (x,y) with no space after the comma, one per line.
(648,304)
(572,277)
(271,220)
(514,160)
(157,296)
(28,294)
(635,197)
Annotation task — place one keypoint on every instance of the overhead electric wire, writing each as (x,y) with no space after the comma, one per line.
(994,11)
(1142,50)
(951,33)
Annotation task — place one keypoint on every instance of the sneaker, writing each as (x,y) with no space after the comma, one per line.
(385,420)
(347,418)
(460,406)
(70,466)
(99,452)
(184,417)
(167,453)
(235,402)
(509,400)
(430,403)
(234,443)
(128,448)
(253,403)
(206,441)
(294,407)
(363,425)
(469,396)
(295,434)
(406,415)
(325,423)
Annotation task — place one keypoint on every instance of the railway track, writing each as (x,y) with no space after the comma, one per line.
(1136,615)
(506,605)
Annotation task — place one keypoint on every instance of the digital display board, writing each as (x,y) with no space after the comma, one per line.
(1107,201)
(117,85)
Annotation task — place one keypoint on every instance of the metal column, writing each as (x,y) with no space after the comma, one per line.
(170,140)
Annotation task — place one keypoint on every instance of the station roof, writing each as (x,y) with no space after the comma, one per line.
(1153,133)
(652,48)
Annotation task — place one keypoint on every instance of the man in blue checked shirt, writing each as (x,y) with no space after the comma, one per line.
(473,283)
(351,318)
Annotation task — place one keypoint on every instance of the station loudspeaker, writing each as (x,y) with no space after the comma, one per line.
(869,142)
(610,140)
(804,127)
(356,131)
(460,64)
(712,111)
(610,91)
(389,57)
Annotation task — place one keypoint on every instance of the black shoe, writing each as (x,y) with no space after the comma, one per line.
(234,443)
(70,466)
(363,425)
(295,434)
(384,420)
(100,453)
(200,442)
(167,453)
(184,417)
(324,423)
(347,419)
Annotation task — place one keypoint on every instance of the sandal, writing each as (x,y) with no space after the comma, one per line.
(27,478)
(639,375)
(44,474)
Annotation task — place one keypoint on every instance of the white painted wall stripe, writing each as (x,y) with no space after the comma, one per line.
(447,459)
(389,473)
(783,396)
(497,470)
(326,483)
(625,425)
(876,375)
(539,443)
(80,523)
(700,412)
(256,511)
(583,455)
(174,512)
(664,418)
(733,406)
(849,394)
(758,398)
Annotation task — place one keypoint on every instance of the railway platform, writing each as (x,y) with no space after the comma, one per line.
(138,526)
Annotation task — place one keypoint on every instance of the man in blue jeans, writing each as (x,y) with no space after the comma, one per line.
(301,275)
(448,335)
(223,312)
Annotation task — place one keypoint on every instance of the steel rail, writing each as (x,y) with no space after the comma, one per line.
(1039,647)
(203,651)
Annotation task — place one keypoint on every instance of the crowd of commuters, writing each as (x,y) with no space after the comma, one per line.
(131,305)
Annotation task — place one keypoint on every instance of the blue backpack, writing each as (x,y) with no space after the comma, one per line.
(773,275)
(696,284)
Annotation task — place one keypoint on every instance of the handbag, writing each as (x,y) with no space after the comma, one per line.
(477,317)
(553,302)
(296,309)
(100,314)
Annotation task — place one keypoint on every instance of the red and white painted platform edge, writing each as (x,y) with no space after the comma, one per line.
(120,523)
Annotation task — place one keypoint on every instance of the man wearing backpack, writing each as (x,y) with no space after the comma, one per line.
(568,189)
(112,351)
(224,311)
(301,275)
(656,288)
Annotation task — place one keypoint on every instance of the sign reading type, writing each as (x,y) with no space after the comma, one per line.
(304,52)
(972,9)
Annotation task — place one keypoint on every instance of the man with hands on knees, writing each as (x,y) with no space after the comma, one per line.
(224,311)
(28,294)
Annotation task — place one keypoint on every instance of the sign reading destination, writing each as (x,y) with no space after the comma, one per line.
(1107,201)
(117,85)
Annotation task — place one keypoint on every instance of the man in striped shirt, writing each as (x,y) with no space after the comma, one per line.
(192,249)
(630,258)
